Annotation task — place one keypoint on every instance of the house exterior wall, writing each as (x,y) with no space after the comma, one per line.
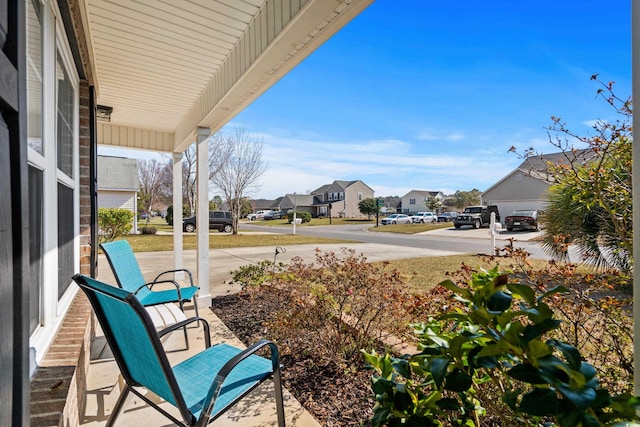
(354,194)
(413,202)
(117,199)
(517,185)
(517,191)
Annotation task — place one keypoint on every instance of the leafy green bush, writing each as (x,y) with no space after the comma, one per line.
(113,222)
(303,215)
(495,335)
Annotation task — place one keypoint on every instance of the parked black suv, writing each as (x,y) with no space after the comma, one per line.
(220,220)
(476,216)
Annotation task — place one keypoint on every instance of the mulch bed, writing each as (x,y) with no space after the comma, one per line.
(333,396)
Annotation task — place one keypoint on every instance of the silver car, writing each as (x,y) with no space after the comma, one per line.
(396,219)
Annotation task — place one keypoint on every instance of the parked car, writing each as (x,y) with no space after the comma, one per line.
(218,220)
(447,216)
(523,220)
(424,218)
(476,216)
(396,219)
(258,215)
(273,215)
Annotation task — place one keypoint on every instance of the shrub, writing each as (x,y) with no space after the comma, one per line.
(169,216)
(496,338)
(113,222)
(304,216)
(336,305)
(254,275)
(148,230)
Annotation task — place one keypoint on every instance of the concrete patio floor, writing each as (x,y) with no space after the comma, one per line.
(103,387)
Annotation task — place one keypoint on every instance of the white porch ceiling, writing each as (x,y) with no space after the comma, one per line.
(170,66)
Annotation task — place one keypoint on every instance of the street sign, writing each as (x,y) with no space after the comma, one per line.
(379,202)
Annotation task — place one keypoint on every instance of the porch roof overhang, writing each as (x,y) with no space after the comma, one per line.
(167,68)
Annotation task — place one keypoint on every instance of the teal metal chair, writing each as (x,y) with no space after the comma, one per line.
(202,387)
(129,277)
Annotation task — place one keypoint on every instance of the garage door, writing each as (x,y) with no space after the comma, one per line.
(506,207)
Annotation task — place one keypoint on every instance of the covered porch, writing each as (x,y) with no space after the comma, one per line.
(143,75)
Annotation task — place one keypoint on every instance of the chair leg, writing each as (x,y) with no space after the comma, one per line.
(118,406)
(277,382)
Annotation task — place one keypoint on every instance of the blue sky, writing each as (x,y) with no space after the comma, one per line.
(430,95)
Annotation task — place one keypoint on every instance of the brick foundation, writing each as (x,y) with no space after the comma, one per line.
(59,384)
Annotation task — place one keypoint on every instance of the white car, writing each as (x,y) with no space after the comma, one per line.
(257,215)
(424,218)
(396,219)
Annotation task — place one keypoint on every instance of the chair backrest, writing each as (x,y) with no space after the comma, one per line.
(125,266)
(133,339)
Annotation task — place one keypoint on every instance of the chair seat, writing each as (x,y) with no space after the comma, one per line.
(196,374)
(168,295)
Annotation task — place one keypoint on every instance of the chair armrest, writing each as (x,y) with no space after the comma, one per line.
(215,388)
(151,284)
(205,326)
(175,271)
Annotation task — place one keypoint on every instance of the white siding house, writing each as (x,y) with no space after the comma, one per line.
(416,200)
(118,185)
(526,187)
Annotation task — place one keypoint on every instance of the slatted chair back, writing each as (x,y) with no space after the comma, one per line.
(133,340)
(125,266)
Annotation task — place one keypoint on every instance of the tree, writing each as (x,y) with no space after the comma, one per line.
(155,184)
(590,202)
(467,198)
(241,170)
(433,204)
(368,207)
(215,203)
(218,154)
(189,189)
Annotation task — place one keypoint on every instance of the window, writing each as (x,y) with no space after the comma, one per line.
(412,201)
(52,107)
(359,196)
(34,76)
(65,132)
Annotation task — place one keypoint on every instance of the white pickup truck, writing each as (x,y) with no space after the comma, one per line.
(257,215)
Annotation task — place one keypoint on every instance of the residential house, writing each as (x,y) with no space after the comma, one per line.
(261,204)
(527,185)
(154,76)
(342,198)
(118,185)
(416,201)
(299,203)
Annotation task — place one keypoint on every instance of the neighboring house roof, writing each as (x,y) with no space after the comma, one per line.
(426,193)
(340,184)
(536,166)
(261,204)
(322,189)
(118,173)
(276,203)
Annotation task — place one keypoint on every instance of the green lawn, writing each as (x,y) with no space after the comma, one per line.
(421,273)
(410,228)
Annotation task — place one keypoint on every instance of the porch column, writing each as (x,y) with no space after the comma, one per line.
(635,94)
(178,256)
(202,215)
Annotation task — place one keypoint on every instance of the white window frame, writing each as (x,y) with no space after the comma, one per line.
(55,46)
